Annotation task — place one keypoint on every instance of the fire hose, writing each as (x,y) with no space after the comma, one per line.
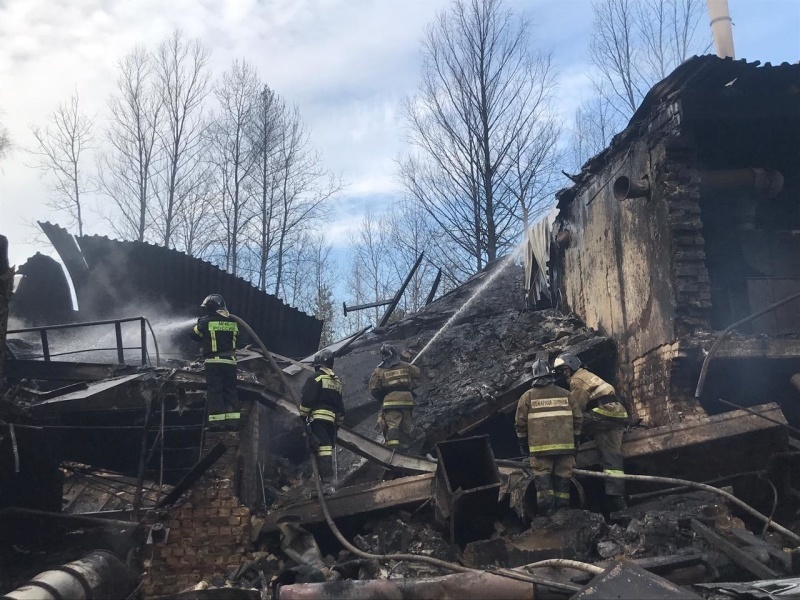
(418,558)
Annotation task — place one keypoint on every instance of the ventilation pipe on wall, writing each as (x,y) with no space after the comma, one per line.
(626,188)
(721,27)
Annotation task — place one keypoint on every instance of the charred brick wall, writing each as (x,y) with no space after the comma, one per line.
(635,268)
(209,528)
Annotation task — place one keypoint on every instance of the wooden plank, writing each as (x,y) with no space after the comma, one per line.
(673,437)
(358,499)
(761,347)
(749,539)
(737,555)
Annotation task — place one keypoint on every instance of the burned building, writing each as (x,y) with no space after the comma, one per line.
(686,224)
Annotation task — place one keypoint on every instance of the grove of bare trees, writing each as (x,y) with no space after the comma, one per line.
(224,168)
(634,44)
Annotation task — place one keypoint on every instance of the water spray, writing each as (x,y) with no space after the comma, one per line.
(489,280)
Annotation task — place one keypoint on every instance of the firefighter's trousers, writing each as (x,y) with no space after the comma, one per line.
(607,435)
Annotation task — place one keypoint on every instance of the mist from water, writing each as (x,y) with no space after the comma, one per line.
(508,260)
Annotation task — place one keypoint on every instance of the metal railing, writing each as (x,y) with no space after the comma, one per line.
(119,347)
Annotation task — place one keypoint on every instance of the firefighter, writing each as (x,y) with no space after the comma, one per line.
(548,424)
(322,406)
(392,383)
(217,331)
(604,419)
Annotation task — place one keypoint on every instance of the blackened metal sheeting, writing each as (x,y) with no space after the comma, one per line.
(129,273)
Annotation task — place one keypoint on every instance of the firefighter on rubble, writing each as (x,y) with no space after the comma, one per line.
(392,383)
(323,409)
(604,419)
(548,423)
(217,331)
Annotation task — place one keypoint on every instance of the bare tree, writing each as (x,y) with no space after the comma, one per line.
(265,133)
(60,151)
(594,122)
(410,233)
(5,141)
(303,185)
(183,83)
(636,43)
(126,172)
(233,156)
(370,252)
(480,109)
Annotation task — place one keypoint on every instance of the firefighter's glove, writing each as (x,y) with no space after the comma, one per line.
(523,447)
(576,439)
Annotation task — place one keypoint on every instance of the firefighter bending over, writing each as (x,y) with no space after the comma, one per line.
(604,419)
(392,383)
(548,424)
(322,406)
(217,331)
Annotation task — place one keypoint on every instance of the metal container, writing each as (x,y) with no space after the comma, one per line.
(467,488)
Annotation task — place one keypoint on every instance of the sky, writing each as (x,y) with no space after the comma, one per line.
(347,64)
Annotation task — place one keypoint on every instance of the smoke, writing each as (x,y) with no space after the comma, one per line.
(98,343)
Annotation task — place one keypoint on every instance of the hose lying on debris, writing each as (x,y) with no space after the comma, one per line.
(418,558)
(450,566)
(700,486)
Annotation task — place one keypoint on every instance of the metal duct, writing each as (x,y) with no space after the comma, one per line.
(721,27)
(767,183)
(99,574)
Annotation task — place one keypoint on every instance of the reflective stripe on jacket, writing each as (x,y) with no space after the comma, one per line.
(217,333)
(549,419)
(393,385)
(595,395)
(321,397)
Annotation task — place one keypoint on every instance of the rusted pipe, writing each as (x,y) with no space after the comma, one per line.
(100,574)
(767,183)
(700,486)
(715,346)
(626,188)
(465,586)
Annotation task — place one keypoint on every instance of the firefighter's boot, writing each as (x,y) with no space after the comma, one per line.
(561,490)
(545,500)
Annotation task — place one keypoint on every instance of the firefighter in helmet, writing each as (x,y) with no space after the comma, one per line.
(217,331)
(322,406)
(604,419)
(392,383)
(548,423)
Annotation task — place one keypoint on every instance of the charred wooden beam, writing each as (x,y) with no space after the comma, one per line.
(357,499)
(736,554)
(192,476)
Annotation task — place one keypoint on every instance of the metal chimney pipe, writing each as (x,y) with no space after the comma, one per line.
(721,27)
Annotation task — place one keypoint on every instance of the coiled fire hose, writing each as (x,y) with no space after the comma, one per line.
(418,558)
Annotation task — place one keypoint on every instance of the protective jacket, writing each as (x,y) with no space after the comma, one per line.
(393,385)
(549,418)
(321,397)
(218,334)
(594,395)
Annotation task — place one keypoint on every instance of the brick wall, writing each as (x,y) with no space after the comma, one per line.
(209,528)
(679,182)
(662,385)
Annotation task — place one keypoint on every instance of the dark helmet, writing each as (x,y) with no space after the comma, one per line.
(390,355)
(323,358)
(213,303)
(541,372)
(567,360)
